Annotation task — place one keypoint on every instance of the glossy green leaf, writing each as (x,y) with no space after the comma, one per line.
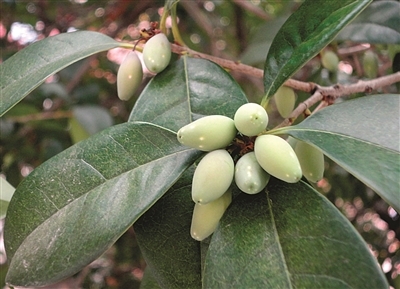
(163,234)
(186,90)
(27,69)
(362,136)
(378,23)
(307,31)
(77,204)
(291,237)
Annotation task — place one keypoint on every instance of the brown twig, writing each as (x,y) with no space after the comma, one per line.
(247,5)
(329,94)
(41,116)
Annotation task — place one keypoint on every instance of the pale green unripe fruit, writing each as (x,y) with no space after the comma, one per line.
(157,53)
(311,161)
(250,177)
(285,99)
(208,133)
(370,64)
(206,217)
(330,60)
(278,158)
(129,76)
(212,177)
(251,119)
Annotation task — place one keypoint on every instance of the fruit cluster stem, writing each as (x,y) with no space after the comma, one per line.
(324,94)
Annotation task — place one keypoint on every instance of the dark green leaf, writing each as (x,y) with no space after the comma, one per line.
(186,90)
(362,136)
(27,69)
(307,31)
(291,237)
(378,23)
(68,211)
(163,234)
(148,281)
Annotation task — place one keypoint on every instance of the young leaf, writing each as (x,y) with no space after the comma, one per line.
(163,234)
(378,23)
(28,68)
(186,90)
(290,237)
(69,210)
(303,36)
(362,136)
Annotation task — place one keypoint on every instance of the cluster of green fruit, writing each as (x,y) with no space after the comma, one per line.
(270,155)
(156,57)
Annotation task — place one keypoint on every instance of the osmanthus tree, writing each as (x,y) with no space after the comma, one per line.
(73,207)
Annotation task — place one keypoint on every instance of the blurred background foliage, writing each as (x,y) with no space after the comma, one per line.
(82,100)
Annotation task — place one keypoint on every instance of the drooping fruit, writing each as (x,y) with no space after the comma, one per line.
(311,161)
(206,217)
(251,119)
(212,177)
(250,177)
(278,158)
(208,133)
(370,64)
(157,53)
(330,60)
(285,99)
(129,76)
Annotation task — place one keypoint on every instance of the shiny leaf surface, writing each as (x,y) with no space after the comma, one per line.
(77,204)
(362,136)
(290,237)
(186,90)
(27,69)
(302,37)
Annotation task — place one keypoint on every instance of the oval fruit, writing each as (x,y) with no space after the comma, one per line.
(212,177)
(278,158)
(330,60)
(250,177)
(311,161)
(285,99)
(157,53)
(208,133)
(129,76)
(251,119)
(370,64)
(206,217)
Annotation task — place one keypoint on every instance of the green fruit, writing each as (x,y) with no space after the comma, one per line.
(208,133)
(370,64)
(212,177)
(129,76)
(278,158)
(330,60)
(206,217)
(285,99)
(249,175)
(157,53)
(251,119)
(311,161)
